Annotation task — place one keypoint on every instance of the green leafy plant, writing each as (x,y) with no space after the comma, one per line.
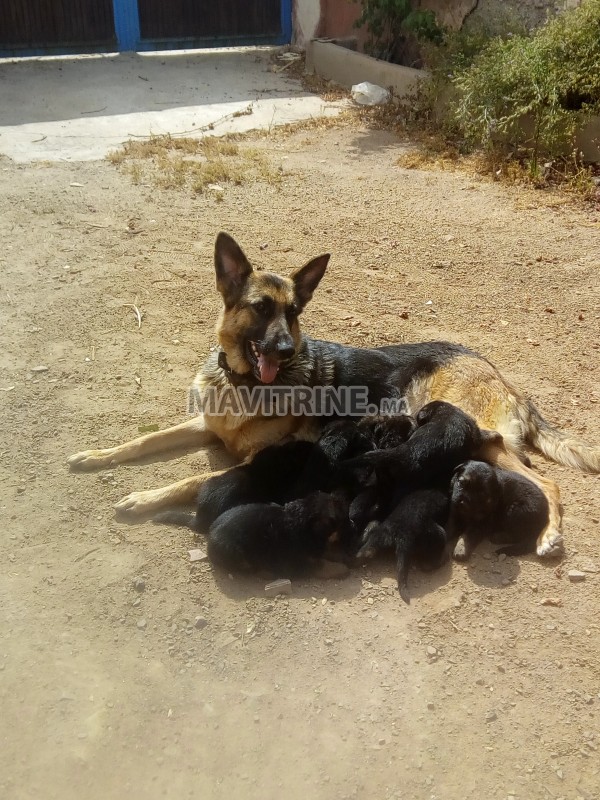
(389,22)
(533,92)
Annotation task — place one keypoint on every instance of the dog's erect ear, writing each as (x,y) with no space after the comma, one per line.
(307,278)
(232,268)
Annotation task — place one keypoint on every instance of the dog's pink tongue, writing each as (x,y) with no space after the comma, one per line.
(268,368)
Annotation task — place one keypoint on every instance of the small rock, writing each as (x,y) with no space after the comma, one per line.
(197,555)
(491,716)
(141,623)
(431,651)
(329,642)
(502,557)
(430,706)
(575,576)
(551,601)
(139,584)
(280,586)
(370,601)
(41,368)
(136,602)
(200,622)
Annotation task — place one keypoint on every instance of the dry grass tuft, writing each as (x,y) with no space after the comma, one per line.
(170,162)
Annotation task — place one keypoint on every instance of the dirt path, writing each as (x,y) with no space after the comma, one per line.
(477,690)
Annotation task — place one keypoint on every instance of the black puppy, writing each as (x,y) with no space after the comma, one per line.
(415,530)
(276,474)
(284,540)
(265,479)
(384,432)
(502,506)
(445,436)
(387,431)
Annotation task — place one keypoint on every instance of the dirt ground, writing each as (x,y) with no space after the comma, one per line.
(478,689)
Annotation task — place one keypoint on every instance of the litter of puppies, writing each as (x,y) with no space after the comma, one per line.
(417,488)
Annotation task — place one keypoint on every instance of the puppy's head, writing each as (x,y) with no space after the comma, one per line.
(438,411)
(258,327)
(328,513)
(474,490)
(387,431)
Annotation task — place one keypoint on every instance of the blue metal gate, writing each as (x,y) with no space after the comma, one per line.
(56,27)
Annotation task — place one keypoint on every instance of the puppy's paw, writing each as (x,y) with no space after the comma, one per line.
(461,550)
(365,553)
(550,544)
(88,460)
(366,534)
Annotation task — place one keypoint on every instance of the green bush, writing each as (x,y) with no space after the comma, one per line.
(389,22)
(533,92)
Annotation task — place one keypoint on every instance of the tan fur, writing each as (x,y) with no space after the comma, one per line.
(475,386)
(233,322)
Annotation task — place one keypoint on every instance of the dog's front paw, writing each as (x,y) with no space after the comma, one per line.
(88,460)
(138,504)
(550,544)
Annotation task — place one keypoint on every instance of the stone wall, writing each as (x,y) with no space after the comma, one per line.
(335,18)
(530,13)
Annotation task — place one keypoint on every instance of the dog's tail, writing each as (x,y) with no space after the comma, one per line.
(186,519)
(556,444)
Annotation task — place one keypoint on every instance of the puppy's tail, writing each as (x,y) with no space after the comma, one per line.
(402,565)
(556,444)
(185,519)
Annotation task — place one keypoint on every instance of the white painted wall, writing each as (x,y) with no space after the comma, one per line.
(307,14)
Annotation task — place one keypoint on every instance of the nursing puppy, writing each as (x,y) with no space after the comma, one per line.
(277,474)
(444,437)
(415,531)
(496,504)
(385,432)
(284,540)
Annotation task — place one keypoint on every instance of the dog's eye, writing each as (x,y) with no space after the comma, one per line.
(263,307)
(291,312)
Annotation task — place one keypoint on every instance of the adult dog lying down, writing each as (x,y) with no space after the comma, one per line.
(261,343)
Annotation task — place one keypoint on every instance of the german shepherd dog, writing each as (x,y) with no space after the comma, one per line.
(261,343)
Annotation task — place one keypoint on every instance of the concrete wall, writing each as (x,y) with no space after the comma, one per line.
(347,67)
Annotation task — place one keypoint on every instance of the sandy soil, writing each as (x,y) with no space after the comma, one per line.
(477,690)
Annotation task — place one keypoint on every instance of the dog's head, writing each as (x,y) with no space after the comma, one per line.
(258,327)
